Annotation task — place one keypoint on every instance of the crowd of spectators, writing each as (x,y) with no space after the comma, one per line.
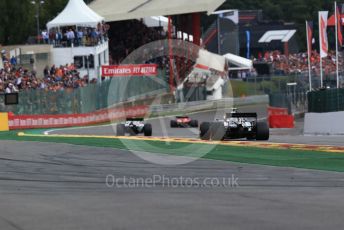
(298,63)
(183,58)
(15,79)
(78,36)
(126,36)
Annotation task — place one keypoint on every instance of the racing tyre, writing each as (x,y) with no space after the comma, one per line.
(147,130)
(217,131)
(120,130)
(194,123)
(174,124)
(205,131)
(263,132)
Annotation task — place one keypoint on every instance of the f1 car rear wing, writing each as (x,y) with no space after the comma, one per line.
(181,117)
(135,119)
(241,115)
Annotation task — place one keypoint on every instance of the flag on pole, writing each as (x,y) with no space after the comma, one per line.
(309,33)
(323,33)
(309,26)
(339,37)
(323,42)
(339,26)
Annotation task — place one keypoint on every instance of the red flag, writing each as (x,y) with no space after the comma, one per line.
(323,33)
(339,27)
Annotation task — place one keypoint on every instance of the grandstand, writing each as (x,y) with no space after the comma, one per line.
(127,33)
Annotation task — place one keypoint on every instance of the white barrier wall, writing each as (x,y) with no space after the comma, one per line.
(324,123)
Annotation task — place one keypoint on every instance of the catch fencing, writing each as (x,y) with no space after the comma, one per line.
(326,100)
(87,99)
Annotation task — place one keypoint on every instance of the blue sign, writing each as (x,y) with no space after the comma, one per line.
(248,43)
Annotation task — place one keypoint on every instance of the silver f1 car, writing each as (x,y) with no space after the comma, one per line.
(235,126)
(134,126)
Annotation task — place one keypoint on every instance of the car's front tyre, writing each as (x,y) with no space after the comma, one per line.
(147,130)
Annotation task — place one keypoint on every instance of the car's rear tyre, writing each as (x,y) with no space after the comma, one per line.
(194,123)
(147,130)
(120,130)
(263,132)
(217,131)
(173,124)
(205,131)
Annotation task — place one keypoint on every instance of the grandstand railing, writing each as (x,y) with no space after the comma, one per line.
(82,42)
(86,41)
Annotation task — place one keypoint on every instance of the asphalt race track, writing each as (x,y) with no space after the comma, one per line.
(161,128)
(62,186)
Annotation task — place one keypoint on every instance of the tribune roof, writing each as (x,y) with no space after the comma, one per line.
(119,10)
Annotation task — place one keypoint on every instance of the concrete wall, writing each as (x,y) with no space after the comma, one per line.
(324,123)
(29,48)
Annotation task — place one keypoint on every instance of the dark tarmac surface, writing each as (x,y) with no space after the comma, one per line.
(60,186)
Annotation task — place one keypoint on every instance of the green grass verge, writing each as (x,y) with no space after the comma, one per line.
(274,157)
(238,88)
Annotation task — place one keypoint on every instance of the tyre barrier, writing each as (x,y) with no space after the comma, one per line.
(279,118)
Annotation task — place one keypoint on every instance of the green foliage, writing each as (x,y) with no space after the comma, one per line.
(50,10)
(18,18)
(262,85)
(13,14)
(18,21)
(238,88)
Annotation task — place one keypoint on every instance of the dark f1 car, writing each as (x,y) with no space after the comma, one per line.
(235,126)
(134,126)
(184,121)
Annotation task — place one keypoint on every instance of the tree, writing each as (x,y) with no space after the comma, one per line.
(18,18)
(18,21)
(15,21)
